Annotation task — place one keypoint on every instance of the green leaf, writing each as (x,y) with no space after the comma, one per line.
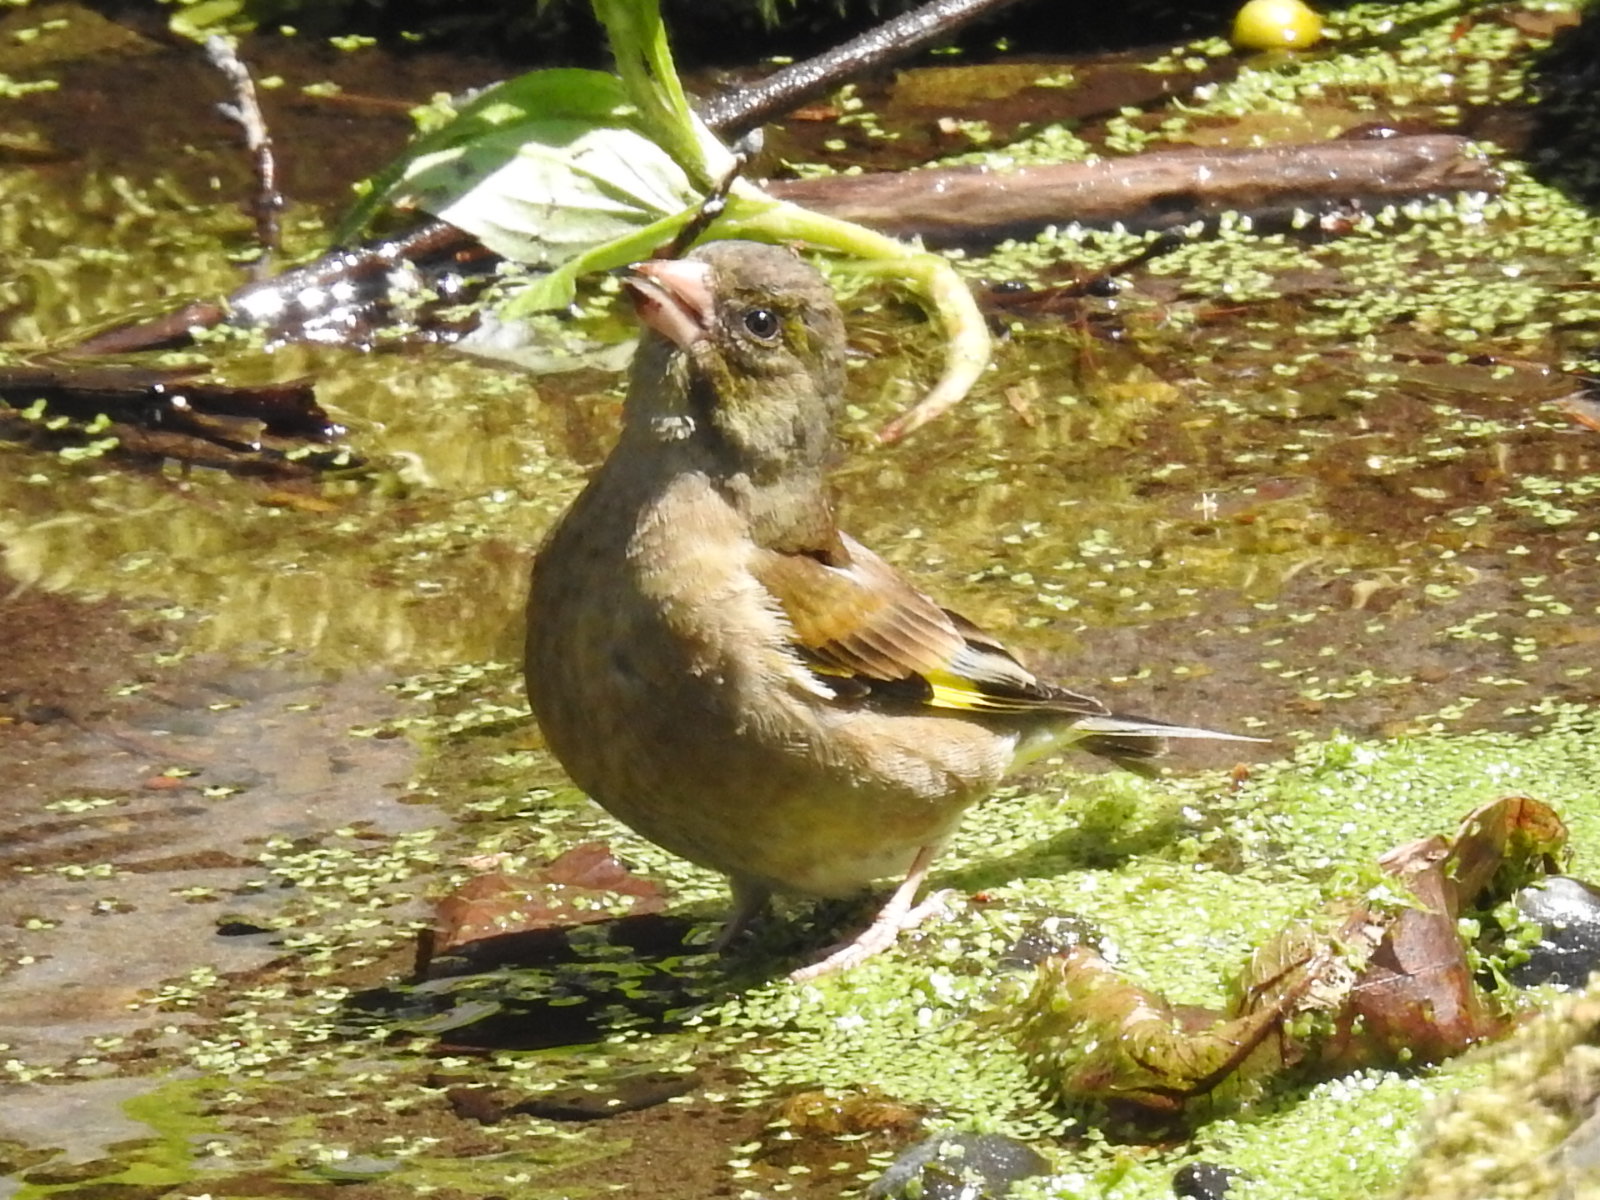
(558,288)
(581,172)
(644,60)
(199,19)
(545,169)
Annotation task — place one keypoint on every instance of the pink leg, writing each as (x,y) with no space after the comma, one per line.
(749,902)
(896,916)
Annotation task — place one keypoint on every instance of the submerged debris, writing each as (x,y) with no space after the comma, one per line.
(959,1166)
(1376,980)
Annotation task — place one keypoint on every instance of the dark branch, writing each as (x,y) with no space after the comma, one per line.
(734,112)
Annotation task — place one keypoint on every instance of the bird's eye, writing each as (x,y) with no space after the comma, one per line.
(762,323)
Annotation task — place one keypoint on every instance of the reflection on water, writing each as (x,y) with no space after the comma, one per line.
(1121,503)
(423,565)
(140,846)
(1089,483)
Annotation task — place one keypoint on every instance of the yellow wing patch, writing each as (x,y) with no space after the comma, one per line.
(955,691)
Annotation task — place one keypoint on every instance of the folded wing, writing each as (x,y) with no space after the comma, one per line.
(867,633)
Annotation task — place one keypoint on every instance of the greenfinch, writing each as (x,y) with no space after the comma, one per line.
(731,675)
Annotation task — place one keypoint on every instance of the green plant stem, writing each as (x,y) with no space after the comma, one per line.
(643,55)
(752,213)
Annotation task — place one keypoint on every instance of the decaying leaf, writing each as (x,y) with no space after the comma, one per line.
(1363,983)
(1417,1000)
(584,885)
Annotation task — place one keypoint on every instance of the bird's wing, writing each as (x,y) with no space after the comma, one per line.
(862,627)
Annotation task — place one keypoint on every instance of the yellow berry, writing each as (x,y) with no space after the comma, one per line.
(1276,25)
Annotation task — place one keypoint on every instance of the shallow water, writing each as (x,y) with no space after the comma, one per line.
(249,726)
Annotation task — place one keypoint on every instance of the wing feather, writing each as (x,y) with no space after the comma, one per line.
(868,634)
(854,615)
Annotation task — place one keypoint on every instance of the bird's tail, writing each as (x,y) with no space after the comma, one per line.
(1130,742)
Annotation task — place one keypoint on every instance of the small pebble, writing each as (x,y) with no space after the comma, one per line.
(959,1166)
(1201,1181)
(1568,911)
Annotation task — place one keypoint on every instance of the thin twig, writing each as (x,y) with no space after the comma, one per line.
(246,111)
(734,112)
(712,206)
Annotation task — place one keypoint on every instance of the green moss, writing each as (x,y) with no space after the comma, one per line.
(914,1023)
(1499,1137)
(167,1160)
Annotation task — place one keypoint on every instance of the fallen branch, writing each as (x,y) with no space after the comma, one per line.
(167,400)
(246,112)
(733,112)
(1152,190)
(248,430)
(432,257)
(1161,188)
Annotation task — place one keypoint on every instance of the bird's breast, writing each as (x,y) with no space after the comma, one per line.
(661,673)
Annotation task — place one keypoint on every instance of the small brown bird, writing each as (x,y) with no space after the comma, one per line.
(728,673)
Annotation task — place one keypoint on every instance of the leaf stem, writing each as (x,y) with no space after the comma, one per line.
(752,213)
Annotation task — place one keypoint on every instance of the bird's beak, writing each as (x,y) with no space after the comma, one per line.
(673,297)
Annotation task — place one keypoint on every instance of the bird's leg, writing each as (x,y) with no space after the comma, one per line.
(896,916)
(749,902)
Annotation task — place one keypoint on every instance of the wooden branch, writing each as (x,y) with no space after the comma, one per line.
(248,430)
(284,304)
(1161,188)
(245,111)
(164,399)
(731,113)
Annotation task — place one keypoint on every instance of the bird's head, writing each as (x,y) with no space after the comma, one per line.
(743,357)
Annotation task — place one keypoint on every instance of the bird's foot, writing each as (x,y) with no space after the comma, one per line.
(749,902)
(887,927)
